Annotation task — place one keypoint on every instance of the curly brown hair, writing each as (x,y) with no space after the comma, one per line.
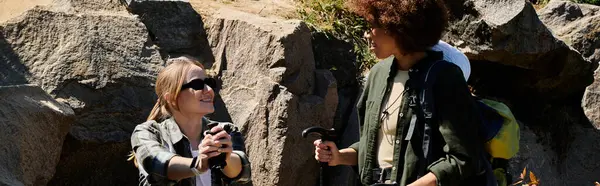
(416,24)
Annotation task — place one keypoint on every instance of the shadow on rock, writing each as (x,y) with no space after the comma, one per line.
(12,71)
(175,27)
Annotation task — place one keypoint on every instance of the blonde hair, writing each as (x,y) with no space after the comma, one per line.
(169,80)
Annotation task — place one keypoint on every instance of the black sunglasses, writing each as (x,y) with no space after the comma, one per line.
(198,84)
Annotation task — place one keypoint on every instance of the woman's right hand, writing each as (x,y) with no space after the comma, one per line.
(211,146)
(327,152)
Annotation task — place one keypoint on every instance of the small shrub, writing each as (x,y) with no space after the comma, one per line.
(333,19)
(594,2)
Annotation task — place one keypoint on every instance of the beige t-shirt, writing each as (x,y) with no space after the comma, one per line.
(387,132)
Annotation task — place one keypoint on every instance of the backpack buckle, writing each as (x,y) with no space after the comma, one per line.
(412,101)
(428,115)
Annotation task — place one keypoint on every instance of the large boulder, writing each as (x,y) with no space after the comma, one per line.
(34,126)
(272,91)
(535,157)
(541,74)
(81,59)
(98,59)
(579,166)
(591,101)
(579,26)
(508,35)
(174,26)
(576,24)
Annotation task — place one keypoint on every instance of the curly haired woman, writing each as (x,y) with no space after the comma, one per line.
(391,149)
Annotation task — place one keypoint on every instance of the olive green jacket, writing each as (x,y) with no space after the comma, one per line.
(456,144)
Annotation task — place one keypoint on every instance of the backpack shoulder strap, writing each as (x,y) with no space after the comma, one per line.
(423,99)
(423,109)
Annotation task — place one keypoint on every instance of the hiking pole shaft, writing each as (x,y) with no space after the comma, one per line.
(324,175)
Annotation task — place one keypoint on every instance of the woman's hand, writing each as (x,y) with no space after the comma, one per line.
(214,145)
(327,152)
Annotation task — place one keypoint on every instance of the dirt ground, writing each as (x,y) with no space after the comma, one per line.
(267,8)
(13,8)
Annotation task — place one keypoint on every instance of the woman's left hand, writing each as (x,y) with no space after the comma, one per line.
(222,141)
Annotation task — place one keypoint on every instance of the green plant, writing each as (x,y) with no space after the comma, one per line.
(594,2)
(539,4)
(333,19)
(543,2)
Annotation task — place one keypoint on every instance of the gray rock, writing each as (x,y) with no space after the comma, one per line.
(591,101)
(174,26)
(579,167)
(108,159)
(34,126)
(508,33)
(81,60)
(272,91)
(540,74)
(98,59)
(576,24)
(536,157)
(579,26)
(115,7)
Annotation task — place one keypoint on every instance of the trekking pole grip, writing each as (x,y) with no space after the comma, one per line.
(326,135)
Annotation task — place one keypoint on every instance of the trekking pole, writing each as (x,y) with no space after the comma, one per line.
(326,135)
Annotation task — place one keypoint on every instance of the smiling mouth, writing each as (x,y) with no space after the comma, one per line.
(207,100)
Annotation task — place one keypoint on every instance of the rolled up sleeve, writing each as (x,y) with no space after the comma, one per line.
(152,156)
(238,148)
(245,175)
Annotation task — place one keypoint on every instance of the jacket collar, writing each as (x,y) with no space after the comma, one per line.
(430,57)
(175,132)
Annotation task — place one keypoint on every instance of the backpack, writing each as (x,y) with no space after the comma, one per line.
(499,128)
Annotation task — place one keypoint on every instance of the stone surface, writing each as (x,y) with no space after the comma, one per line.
(101,7)
(576,24)
(98,59)
(34,126)
(81,59)
(272,91)
(509,33)
(540,74)
(536,157)
(591,101)
(579,167)
(579,26)
(175,27)
(11,8)
(94,163)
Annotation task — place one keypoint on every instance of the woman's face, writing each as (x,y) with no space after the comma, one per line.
(195,101)
(381,43)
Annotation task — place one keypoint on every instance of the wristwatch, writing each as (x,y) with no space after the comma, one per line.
(194,165)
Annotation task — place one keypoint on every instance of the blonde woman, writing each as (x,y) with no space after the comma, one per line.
(171,147)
